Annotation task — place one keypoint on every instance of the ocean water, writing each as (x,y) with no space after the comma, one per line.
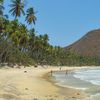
(89,75)
(87,80)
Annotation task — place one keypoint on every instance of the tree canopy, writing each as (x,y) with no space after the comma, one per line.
(21,45)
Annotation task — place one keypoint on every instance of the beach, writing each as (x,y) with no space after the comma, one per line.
(35,84)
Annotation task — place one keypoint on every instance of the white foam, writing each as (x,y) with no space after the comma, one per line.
(67,86)
(95,82)
(91,75)
(97,96)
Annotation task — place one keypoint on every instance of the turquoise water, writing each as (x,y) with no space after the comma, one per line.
(87,80)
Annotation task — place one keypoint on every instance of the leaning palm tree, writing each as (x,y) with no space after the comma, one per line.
(30,17)
(17,8)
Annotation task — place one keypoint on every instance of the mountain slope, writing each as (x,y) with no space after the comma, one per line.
(88,45)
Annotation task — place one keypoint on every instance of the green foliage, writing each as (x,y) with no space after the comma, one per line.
(20,45)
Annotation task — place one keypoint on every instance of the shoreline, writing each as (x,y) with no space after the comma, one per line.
(71,92)
(33,83)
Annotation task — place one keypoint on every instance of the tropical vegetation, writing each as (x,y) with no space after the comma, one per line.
(21,45)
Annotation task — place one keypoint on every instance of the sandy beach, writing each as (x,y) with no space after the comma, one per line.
(32,84)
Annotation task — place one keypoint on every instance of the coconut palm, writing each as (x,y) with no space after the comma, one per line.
(45,39)
(1,1)
(30,17)
(23,38)
(1,8)
(17,8)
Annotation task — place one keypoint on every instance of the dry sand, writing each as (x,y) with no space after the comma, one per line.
(29,84)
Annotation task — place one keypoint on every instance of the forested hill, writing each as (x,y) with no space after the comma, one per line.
(88,45)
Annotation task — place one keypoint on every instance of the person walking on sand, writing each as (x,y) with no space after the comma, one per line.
(51,72)
(60,68)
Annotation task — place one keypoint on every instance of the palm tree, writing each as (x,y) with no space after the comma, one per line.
(30,17)
(2,18)
(45,39)
(1,8)
(17,8)
(32,39)
(1,1)
(23,37)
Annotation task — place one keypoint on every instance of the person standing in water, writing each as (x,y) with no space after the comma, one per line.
(66,72)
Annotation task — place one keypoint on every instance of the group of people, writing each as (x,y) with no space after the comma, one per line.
(60,70)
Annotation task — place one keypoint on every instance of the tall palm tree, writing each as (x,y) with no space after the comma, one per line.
(30,17)
(1,1)
(45,39)
(1,8)
(23,36)
(17,8)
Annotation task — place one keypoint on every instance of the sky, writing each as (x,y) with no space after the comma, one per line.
(65,21)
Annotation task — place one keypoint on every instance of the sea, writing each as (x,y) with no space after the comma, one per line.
(87,79)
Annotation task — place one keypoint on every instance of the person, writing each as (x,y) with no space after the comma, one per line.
(51,72)
(66,72)
(60,68)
